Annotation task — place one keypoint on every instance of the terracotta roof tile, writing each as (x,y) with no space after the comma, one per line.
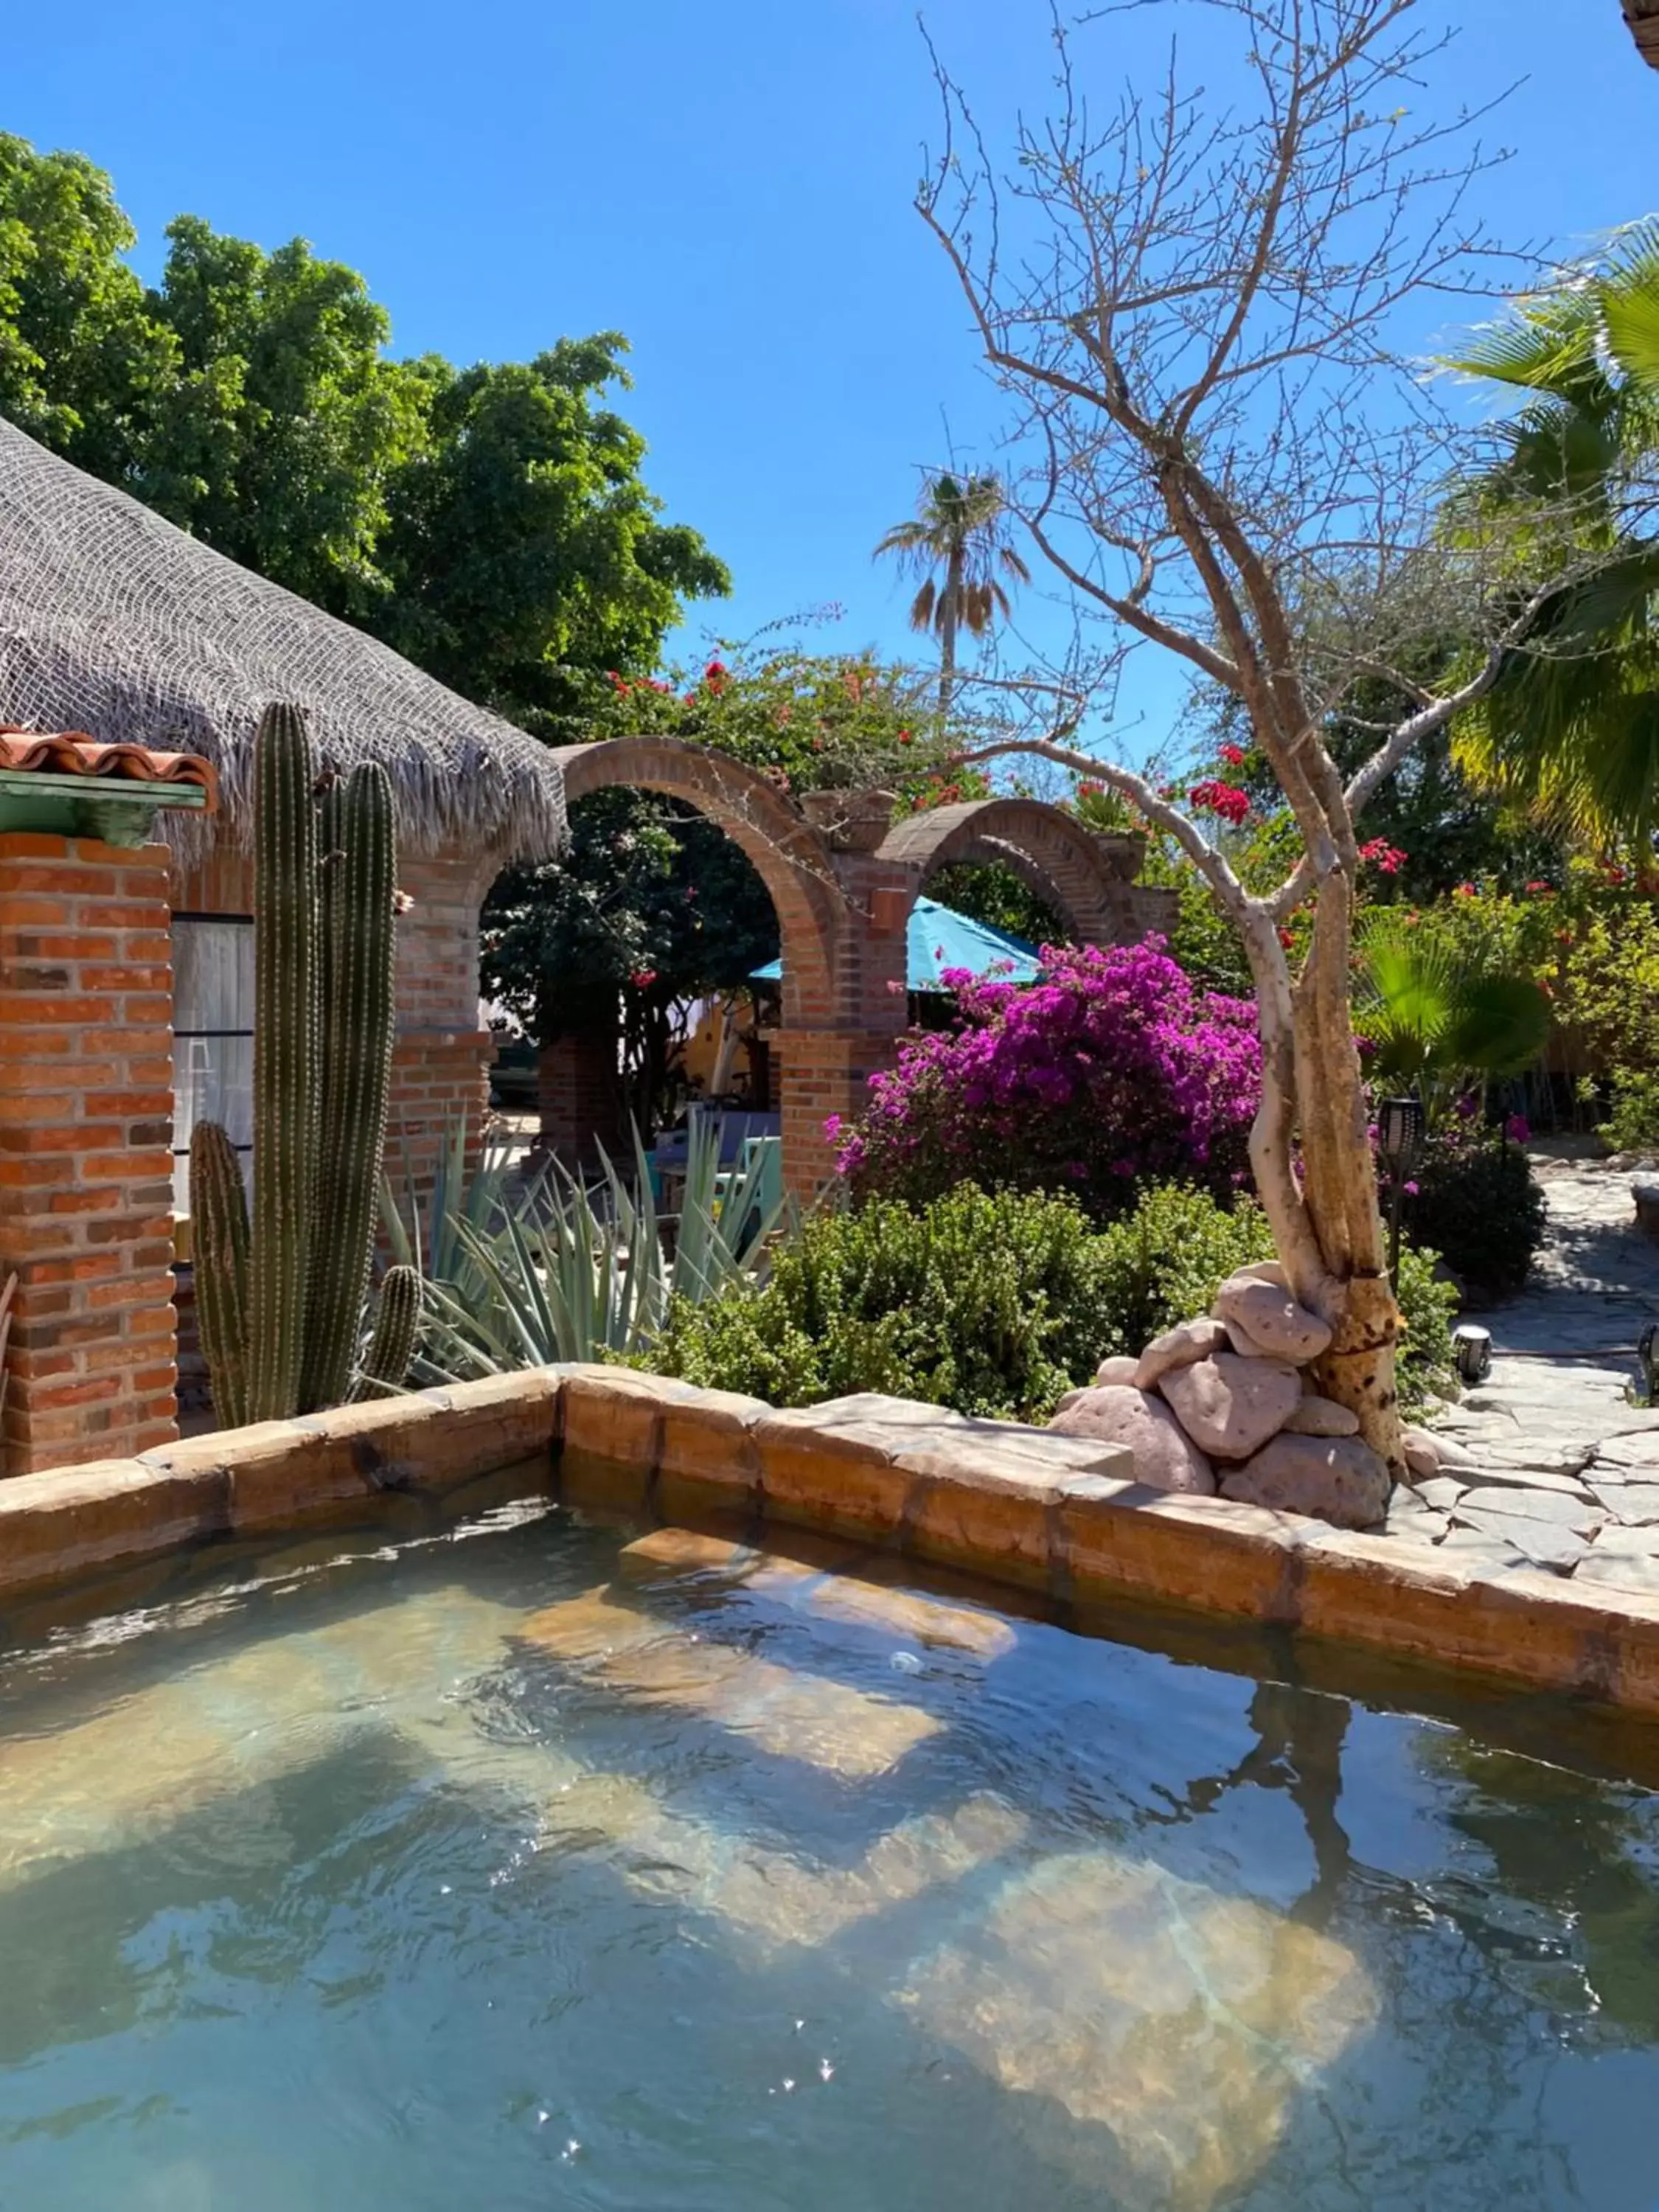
(72,752)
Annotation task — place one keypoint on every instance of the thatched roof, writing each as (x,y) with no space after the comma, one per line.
(113,621)
(1642,16)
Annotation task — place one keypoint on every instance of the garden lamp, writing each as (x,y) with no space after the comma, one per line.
(1398,1132)
(1647,1354)
(1472,1352)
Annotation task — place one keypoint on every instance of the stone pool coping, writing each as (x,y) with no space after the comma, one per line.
(1013,1505)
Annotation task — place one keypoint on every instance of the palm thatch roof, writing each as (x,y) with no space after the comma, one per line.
(1642,16)
(113,621)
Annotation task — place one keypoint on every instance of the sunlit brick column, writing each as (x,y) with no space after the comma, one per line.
(842,1035)
(86,1107)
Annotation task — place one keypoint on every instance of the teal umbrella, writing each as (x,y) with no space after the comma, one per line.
(938,939)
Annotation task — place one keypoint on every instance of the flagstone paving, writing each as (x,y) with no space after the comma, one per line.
(1564,1468)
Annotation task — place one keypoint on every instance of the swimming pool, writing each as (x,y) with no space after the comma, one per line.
(529,1861)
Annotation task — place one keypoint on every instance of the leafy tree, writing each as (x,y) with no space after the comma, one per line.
(79,356)
(279,434)
(522,542)
(491,523)
(957,542)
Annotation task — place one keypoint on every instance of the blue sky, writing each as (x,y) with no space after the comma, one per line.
(729,185)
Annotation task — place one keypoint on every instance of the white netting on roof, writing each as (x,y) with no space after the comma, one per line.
(113,621)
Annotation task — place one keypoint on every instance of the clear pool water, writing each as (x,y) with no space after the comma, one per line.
(504,1867)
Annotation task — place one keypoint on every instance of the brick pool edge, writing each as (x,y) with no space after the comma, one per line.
(1014,1506)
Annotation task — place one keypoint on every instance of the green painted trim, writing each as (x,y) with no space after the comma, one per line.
(116,811)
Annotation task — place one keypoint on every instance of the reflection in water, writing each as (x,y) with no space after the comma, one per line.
(392,1878)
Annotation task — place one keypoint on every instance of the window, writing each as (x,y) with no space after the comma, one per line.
(212,1036)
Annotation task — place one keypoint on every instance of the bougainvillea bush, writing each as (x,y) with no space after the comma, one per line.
(1114,1071)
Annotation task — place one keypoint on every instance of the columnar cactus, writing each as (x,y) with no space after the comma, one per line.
(357,895)
(286,1054)
(283,1309)
(397,1322)
(218,1206)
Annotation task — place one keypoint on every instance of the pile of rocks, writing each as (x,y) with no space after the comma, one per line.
(1224,1405)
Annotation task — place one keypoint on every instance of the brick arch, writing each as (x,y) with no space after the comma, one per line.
(1087,880)
(789,856)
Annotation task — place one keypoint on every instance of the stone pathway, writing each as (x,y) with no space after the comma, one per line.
(1562,1470)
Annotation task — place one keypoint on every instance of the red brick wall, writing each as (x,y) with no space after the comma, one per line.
(86,1107)
(579,1095)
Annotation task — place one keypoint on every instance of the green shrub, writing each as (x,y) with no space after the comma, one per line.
(1633,1123)
(1423,1362)
(1166,1260)
(991,1304)
(994,1305)
(1477,1201)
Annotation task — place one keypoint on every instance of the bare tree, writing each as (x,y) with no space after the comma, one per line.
(1193,305)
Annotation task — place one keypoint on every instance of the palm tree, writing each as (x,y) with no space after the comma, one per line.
(1571,728)
(1441,1018)
(961,528)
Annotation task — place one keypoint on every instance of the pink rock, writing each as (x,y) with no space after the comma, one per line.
(1262,1271)
(1322,1416)
(1243,1343)
(1271,1317)
(1334,1478)
(1230,1407)
(1118,1367)
(1429,1453)
(1179,1347)
(1165,1460)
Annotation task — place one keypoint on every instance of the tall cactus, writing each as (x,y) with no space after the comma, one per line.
(286,1055)
(218,1205)
(281,1309)
(357,895)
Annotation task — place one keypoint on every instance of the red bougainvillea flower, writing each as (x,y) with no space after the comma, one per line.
(1233,755)
(1089,790)
(1388,859)
(904,737)
(714,676)
(1613,874)
(619,684)
(1539,889)
(643,978)
(1225,800)
(1465,890)
(1287,938)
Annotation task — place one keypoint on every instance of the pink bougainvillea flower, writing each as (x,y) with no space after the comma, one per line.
(643,978)
(1113,1060)
(1517,1128)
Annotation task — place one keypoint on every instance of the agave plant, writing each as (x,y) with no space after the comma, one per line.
(522,1273)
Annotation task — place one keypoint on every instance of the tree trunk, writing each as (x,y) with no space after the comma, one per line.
(949,609)
(1314,1171)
